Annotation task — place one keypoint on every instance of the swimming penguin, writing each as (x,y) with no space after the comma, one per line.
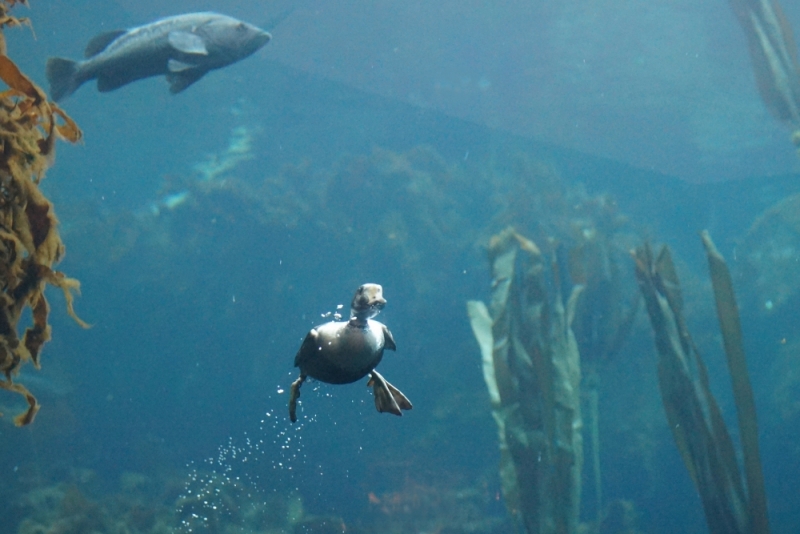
(341,352)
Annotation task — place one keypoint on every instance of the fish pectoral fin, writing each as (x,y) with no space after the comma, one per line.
(173,65)
(178,81)
(387,397)
(188,43)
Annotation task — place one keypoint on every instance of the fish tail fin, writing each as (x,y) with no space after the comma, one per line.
(62,76)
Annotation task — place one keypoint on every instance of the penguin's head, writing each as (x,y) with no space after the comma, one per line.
(367,302)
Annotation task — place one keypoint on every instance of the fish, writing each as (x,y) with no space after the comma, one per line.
(183,48)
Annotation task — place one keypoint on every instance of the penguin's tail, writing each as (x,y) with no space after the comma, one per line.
(62,75)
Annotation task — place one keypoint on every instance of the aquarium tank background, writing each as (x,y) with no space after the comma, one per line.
(528,183)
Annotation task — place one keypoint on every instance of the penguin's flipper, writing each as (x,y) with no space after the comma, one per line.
(387,397)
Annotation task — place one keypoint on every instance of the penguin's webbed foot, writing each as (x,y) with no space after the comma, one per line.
(387,397)
(294,394)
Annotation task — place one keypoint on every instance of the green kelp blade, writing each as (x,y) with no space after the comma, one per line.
(482,329)
(531,367)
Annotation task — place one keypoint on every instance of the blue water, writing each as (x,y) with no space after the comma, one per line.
(200,288)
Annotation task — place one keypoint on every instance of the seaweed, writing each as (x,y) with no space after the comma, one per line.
(774,56)
(532,369)
(694,416)
(30,244)
(731,328)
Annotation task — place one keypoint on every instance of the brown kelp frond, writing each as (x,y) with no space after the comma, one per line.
(730,325)
(29,111)
(10,21)
(773,53)
(532,370)
(27,416)
(30,244)
(693,414)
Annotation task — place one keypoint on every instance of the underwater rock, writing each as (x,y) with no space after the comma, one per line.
(434,506)
(785,390)
(320,525)
(621,517)
(770,249)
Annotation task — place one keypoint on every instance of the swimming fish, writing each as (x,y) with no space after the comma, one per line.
(183,48)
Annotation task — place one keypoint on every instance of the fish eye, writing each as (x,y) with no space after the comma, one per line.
(241,27)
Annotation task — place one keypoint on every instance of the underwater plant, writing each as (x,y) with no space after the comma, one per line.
(587,238)
(774,56)
(531,366)
(732,503)
(29,241)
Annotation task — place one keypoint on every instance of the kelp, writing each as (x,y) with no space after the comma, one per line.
(29,241)
(693,414)
(774,56)
(731,328)
(531,367)
(606,311)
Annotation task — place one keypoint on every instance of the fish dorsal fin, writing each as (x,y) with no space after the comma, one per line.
(188,43)
(100,42)
(173,65)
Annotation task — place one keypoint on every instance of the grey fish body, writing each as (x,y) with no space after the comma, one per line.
(184,48)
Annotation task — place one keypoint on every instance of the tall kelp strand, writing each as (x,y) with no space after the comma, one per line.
(774,57)
(732,503)
(531,366)
(29,241)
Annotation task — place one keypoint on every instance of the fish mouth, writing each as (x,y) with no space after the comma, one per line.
(263,38)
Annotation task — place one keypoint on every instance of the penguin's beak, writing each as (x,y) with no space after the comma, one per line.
(368,300)
(376,306)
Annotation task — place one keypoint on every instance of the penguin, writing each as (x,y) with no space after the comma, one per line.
(342,352)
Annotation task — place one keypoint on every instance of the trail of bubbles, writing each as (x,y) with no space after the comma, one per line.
(244,478)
